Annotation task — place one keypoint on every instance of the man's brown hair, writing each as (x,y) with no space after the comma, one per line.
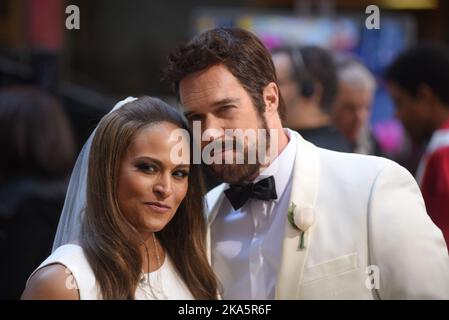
(243,54)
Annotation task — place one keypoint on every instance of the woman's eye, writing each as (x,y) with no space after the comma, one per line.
(146,167)
(180,174)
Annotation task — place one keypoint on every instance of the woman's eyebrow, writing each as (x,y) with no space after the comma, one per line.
(160,163)
(147,158)
(183,166)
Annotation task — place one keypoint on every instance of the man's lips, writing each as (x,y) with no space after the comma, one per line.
(220,148)
(221,152)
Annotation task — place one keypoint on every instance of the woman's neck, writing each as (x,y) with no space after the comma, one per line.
(152,253)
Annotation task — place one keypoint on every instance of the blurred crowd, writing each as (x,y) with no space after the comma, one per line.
(37,155)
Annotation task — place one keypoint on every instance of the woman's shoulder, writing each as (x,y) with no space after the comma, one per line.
(71,251)
(50,282)
(70,270)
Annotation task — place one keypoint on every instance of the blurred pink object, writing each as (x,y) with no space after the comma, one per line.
(271,42)
(390,135)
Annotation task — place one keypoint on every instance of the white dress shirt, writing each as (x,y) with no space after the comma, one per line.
(247,243)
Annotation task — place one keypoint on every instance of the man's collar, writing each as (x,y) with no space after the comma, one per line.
(282,166)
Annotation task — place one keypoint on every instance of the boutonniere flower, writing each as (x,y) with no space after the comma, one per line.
(300,218)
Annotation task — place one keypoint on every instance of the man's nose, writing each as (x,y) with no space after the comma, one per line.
(213,128)
(212,122)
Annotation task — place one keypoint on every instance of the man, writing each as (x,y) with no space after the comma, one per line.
(308,83)
(418,81)
(312,223)
(352,108)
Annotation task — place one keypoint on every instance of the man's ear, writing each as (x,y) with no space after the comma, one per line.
(271,98)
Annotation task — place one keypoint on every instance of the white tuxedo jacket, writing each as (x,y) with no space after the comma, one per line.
(371,237)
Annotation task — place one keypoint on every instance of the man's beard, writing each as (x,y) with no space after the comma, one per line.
(236,173)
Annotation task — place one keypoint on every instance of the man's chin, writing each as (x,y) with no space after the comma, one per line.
(234,173)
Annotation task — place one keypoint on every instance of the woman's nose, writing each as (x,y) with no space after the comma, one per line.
(163,187)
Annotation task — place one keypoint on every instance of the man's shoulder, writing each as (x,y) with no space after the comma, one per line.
(353,158)
(354,166)
(343,163)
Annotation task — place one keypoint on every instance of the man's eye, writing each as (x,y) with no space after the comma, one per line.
(180,174)
(224,109)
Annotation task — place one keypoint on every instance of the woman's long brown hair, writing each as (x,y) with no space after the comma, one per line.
(110,242)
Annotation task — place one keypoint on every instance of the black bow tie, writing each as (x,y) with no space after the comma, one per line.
(238,194)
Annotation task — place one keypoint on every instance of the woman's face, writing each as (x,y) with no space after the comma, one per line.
(151,185)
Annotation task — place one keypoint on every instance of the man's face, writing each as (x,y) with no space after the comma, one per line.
(217,99)
(352,110)
(411,111)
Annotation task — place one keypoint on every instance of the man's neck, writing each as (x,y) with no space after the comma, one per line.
(282,141)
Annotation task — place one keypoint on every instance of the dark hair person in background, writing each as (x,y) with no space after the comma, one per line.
(37,153)
(308,83)
(143,232)
(418,81)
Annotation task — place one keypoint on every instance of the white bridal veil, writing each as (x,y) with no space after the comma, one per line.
(69,226)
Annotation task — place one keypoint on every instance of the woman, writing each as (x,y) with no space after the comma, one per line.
(143,231)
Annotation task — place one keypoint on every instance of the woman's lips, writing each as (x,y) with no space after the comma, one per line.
(158,207)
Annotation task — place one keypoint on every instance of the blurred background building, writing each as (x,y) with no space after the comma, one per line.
(121,47)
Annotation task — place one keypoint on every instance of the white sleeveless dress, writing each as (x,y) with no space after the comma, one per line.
(165,282)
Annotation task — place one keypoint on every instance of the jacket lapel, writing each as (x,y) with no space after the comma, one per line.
(304,193)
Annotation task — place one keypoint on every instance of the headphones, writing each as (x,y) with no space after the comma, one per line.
(306,85)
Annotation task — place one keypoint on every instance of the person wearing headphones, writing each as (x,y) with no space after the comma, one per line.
(308,83)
